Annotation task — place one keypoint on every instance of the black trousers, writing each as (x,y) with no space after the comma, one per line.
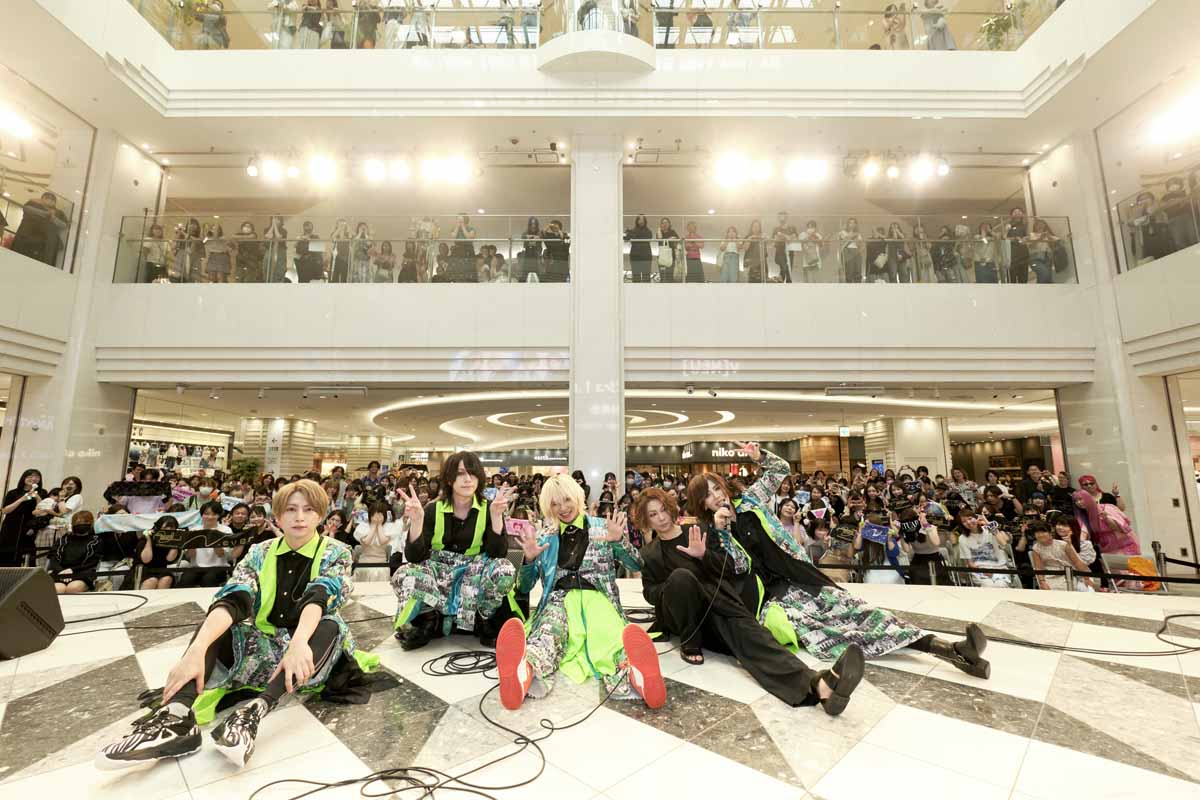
(731,628)
(323,644)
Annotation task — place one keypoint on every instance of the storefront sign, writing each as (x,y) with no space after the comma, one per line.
(524,458)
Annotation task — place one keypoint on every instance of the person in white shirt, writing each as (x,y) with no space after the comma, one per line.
(378,538)
(213,560)
(979,546)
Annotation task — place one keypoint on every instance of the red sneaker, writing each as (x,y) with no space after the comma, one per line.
(515,674)
(644,673)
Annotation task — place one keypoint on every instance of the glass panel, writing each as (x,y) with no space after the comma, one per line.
(258,249)
(1150,156)
(927,249)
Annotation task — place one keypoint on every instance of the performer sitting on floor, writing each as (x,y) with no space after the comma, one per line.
(706,592)
(458,571)
(579,627)
(274,627)
(803,607)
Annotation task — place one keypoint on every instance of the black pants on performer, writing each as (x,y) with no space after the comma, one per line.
(731,628)
(323,644)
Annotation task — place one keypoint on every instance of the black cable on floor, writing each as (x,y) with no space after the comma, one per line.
(461,662)
(143,602)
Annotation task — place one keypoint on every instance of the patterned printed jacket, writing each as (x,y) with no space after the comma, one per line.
(599,563)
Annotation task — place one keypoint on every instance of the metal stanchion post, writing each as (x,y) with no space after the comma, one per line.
(1070,578)
(137,577)
(932,573)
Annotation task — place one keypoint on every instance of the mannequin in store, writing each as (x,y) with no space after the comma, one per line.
(579,627)
(275,627)
(797,603)
(456,551)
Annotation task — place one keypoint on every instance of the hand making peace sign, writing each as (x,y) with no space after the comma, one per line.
(414,512)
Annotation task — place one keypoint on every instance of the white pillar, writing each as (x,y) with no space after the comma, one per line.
(1119,427)
(596,406)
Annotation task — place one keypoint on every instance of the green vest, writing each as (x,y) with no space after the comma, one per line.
(315,549)
(439,526)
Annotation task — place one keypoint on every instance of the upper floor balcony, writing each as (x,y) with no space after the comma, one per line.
(992,25)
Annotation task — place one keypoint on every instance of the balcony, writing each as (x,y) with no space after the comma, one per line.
(991,25)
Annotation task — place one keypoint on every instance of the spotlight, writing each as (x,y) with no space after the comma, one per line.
(921,170)
(458,170)
(322,170)
(943,168)
(871,169)
(712,211)
(431,169)
(480,211)
(215,394)
(893,169)
(399,170)
(272,170)
(375,169)
(712,392)
(293,171)
(690,388)
(15,124)
(252,167)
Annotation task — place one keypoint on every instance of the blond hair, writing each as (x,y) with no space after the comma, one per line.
(311,490)
(561,487)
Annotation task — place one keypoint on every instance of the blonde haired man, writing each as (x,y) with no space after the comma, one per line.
(578,628)
(274,624)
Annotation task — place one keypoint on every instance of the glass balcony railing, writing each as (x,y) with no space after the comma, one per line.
(431,249)
(1154,223)
(38,228)
(930,249)
(665,24)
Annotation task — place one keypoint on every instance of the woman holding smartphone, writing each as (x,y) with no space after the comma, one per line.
(16,539)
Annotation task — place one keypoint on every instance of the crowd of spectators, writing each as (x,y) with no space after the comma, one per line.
(908,524)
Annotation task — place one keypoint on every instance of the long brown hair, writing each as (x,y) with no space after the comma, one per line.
(697,492)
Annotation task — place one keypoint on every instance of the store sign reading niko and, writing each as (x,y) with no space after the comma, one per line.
(713,452)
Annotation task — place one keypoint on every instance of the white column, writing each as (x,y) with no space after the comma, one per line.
(1118,427)
(597,413)
(912,441)
(283,447)
(70,424)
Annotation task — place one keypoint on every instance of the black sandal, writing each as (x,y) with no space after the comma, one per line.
(842,679)
(693,657)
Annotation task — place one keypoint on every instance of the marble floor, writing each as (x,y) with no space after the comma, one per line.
(1046,726)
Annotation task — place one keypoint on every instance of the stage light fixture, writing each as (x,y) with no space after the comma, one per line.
(399,170)
(432,169)
(375,170)
(252,167)
(293,171)
(921,170)
(893,171)
(322,170)
(14,123)
(761,170)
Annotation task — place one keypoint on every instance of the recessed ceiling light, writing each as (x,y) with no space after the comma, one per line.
(11,154)
(145,146)
(1025,162)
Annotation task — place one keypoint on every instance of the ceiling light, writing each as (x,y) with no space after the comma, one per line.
(5,194)
(457,169)
(731,169)
(11,154)
(629,160)
(166,161)
(252,167)
(943,168)
(292,171)
(893,170)
(761,170)
(399,170)
(145,147)
(375,170)
(480,211)
(272,170)
(1045,147)
(632,145)
(871,169)
(1025,162)
(322,170)
(712,211)
(562,145)
(15,124)
(920,170)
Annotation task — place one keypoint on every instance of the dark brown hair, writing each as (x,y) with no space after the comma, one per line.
(450,472)
(641,513)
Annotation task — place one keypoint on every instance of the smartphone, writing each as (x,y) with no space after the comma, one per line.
(490,493)
(518,527)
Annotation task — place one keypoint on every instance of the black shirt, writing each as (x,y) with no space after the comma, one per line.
(572,547)
(292,592)
(1109,498)
(458,535)
(14,542)
(78,553)
(734,593)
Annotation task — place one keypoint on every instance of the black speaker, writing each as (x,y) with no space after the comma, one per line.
(30,616)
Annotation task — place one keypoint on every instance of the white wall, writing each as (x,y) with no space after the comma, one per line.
(1159,306)
(36,302)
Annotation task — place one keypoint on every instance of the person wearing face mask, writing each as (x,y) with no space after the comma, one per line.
(458,573)
(799,605)
(75,557)
(248,250)
(579,628)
